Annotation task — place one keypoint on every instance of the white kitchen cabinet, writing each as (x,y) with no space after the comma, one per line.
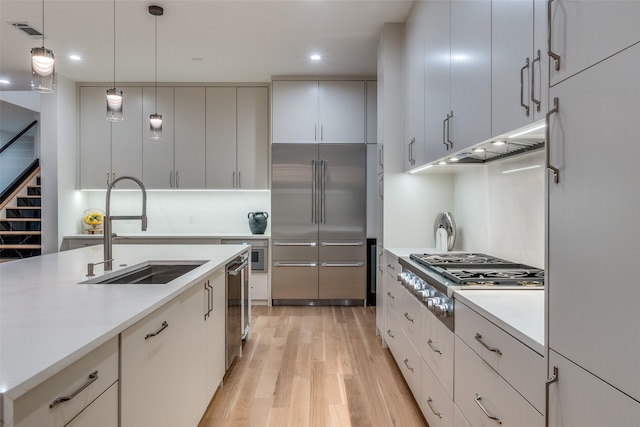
(414,86)
(406,356)
(458,419)
(597,108)
(436,345)
(584,33)
(259,288)
(576,390)
(372,112)
(237,148)
(215,321)
(325,111)
(98,371)
(437,79)
(157,155)
(163,359)
(436,404)
(519,64)
(221,137)
(481,394)
(381,293)
(102,412)
(470,73)
(372,191)
(252,153)
(189,144)
(109,149)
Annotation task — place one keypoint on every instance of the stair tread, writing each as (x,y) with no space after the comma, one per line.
(20,233)
(21,219)
(18,246)
(30,196)
(24,207)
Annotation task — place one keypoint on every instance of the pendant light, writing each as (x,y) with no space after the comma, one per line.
(115,98)
(155,119)
(43,66)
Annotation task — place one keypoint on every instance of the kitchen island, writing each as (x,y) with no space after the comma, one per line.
(49,321)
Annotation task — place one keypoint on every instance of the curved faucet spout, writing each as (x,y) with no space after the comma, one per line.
(108,219)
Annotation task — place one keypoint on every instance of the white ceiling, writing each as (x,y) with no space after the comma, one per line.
(198,40)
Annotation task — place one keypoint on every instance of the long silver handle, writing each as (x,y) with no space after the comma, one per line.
(239,179)
(406,316)
(491,417)
(411,159)
(380,154)
(380,262)
(429,402)
(321,132)
(550,52)
(449,140)
(312,244)
(552,379)
(239,268)
(58,400)
(390,295)
(478,338)
(444,131)
(533,82)
(164,326)
(342,264)
(555,170)
(430,344)
(323,188)
(381,188)
(206,288)
(170,179)
(177,179)
(390,334)
(342,243)
(233,179)
(315,132)
(108,175)
(314,189)
(406,363)
(522,104)
(295,264)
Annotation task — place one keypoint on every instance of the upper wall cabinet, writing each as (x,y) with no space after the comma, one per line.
(157,158)
(372,112)
(237,138)
(189,145)
(109,149)
(325,111)
(519,72)
(586,32)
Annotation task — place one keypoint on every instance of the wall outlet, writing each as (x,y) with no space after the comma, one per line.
(190,219)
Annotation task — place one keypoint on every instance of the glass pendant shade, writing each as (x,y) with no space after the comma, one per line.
(155,126)
(114,105)
(43,70)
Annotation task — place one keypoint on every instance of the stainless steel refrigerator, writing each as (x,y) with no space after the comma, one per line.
(318,221)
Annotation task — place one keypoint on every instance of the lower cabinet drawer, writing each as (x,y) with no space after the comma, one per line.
(485,398)
(103,412)
(435,402)
(458,419)
(436,347)
(47,404)
(406,356)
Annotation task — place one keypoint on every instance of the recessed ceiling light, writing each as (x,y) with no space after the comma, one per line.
(75,57)
(5,82)
(499,142)
(479,150)
(315,57)
(453,159)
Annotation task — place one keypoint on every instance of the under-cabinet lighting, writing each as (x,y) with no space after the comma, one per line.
(454,159)
(315,57)
(479,150)
(524,132)
(421,168)
(4,82)
(521,169)
(499,142)
(442,162)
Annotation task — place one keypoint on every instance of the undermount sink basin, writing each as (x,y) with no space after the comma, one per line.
(149,273)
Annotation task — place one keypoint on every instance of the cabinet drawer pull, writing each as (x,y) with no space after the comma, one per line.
(312,244)
(449,140)
(429,402)
(206,288)
(552,55)
(430,343)
(407,365)
(391,267)
(342,244)
(522,104)
(491,417)
(533,82)
(164,326)
(92,377)
(390,295)
(390,334)
(406,316)
(479,339)
(555,170)
(552,379)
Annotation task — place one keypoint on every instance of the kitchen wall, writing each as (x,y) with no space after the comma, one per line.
(182,211)
(502,214)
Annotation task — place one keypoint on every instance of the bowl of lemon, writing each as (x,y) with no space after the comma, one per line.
(93,220)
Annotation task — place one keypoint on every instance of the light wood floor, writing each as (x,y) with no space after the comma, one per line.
(316,367)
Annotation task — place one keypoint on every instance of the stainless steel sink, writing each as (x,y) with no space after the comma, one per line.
(150,273)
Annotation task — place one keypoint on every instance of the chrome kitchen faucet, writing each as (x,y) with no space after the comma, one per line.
(108,237)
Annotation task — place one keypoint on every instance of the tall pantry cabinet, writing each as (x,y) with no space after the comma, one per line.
(593,207)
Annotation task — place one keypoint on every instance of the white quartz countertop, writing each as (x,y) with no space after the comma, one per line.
(518,312)
(399,252)
(48,320)
(152,235)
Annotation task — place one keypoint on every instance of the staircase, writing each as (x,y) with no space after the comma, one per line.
(20,222)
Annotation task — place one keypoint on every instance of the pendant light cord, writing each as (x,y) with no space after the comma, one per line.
(156,65)
(43,24)
(114,44)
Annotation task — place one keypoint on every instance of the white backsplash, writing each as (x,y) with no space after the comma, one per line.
(502,214)
(184,211)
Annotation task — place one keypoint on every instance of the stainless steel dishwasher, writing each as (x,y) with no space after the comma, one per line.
(236,275)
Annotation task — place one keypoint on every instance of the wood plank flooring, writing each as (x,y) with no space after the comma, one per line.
(314,367)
